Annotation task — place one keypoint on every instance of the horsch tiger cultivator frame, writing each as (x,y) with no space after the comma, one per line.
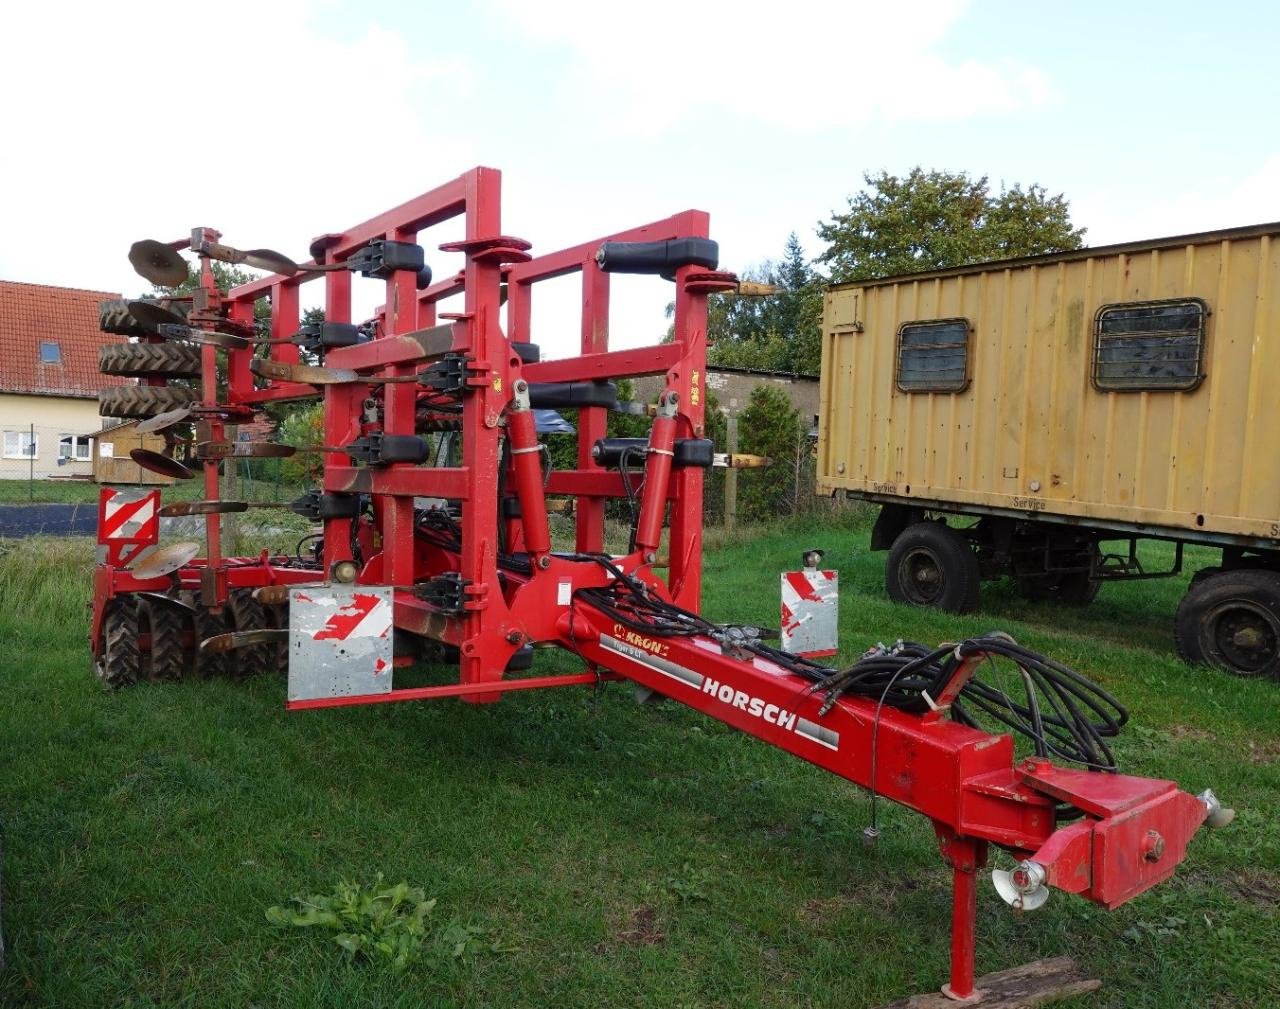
(458,554)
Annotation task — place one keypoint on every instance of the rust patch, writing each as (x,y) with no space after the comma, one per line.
(641,929)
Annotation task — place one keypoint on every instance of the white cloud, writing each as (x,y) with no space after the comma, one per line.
(803,66)
(127,121)
(1252,198)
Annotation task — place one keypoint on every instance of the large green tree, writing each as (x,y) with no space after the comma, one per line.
(781,332)
(930,220)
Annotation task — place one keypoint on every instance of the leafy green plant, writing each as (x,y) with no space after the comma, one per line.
(690,884)
(373,922)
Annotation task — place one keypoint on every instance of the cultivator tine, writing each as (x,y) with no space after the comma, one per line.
(179,508)
(245,450)
(181,331)
(308,374)
(158,263)
(165,560)
(244,639)
(740,460)
(157,462)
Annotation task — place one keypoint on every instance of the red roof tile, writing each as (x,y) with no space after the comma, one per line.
(32,314)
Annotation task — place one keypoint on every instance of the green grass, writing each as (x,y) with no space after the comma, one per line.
(620,855)
(86,491)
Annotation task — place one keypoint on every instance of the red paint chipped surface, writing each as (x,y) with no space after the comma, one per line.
(341,624)
(801,586)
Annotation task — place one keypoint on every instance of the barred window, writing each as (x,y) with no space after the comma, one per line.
(1150,345)
(933,356)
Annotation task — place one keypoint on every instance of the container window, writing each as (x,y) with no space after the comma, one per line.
(1150,345)
(933,356)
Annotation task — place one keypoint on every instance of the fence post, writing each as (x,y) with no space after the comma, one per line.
(230,525)
(31,470)
(731,476)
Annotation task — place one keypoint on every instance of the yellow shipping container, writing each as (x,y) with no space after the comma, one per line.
(1126,390)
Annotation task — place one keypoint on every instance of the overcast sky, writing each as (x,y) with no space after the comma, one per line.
(277,121)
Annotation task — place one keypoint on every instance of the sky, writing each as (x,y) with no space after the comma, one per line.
(278,121)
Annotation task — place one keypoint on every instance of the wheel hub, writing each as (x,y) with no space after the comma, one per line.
(1246,636)
(924,576)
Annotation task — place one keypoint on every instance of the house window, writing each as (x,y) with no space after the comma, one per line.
(50,353)
(21,445)
(74,446)
(933,356)
(1150,345)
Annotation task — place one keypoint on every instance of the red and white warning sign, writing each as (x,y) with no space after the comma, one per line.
(339,641)
(810,612)
(127,523)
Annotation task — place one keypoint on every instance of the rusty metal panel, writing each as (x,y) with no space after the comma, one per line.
(339,641)
(1033,431)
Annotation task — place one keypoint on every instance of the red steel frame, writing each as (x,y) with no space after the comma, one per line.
(965,781)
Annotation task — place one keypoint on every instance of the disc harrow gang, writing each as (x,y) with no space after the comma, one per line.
(430,536)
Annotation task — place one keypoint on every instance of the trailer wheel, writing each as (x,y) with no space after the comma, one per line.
(119,659)
(145,360)
(166,627)
(114,316)
(140,401)
(932,565)
(1232,620)
(244,613)
(204,625)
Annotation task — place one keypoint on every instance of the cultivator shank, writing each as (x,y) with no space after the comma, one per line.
(434,530)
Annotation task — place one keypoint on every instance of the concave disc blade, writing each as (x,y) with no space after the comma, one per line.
(158,263)
(165,560)
(271,261)
(153,316)
(158,463)
(163,420)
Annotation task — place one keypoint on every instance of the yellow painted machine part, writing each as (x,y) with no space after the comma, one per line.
(1031,432)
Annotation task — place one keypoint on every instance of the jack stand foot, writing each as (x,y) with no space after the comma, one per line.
(1033,984)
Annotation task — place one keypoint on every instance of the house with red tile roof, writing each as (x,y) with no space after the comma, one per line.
(49,379)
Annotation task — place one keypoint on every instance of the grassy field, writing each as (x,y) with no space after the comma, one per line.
(615,855)
(86,491)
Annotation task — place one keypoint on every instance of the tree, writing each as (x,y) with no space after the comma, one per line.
(770,426)
(933,220)
(781,332)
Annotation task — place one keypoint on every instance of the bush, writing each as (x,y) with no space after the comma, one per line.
(771,426)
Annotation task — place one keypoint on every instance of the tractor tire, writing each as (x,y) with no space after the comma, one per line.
(165,660)
(278,619)
(119,661)
(204,625)
(1231,620)
(130,402)
(150,360)
(932,565)
(114,316)
(244,613)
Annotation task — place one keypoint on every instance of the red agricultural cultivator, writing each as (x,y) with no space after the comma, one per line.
(434,511)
